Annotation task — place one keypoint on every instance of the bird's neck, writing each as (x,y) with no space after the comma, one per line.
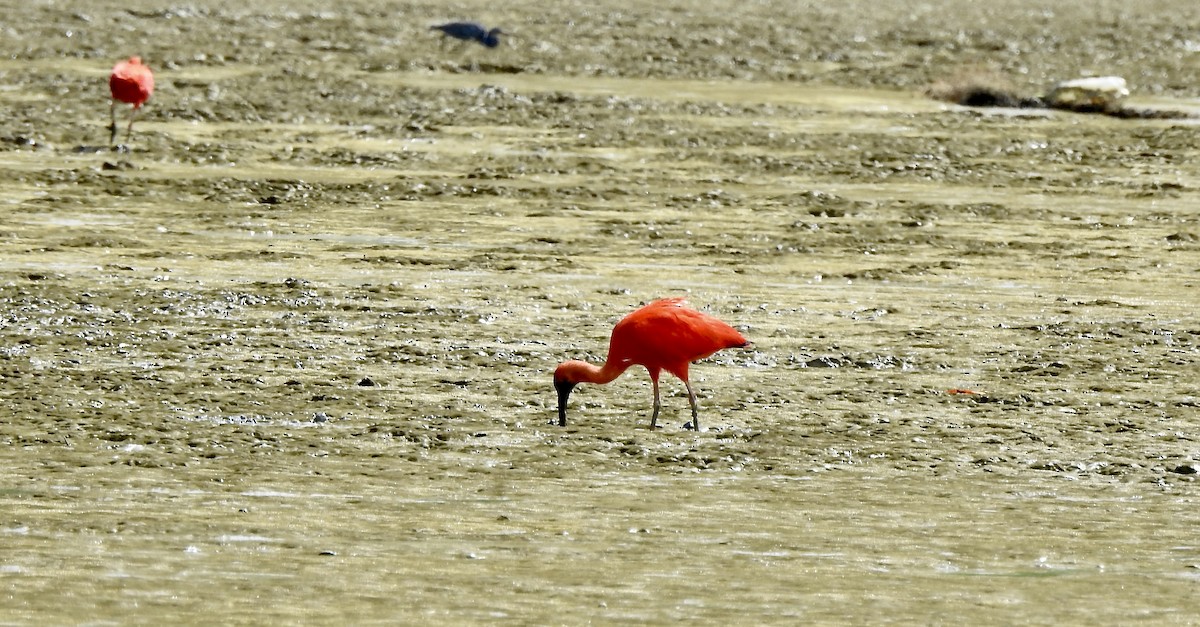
(583,372)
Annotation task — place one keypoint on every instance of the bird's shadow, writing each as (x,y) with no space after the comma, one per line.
(85,149)
(687,427)
(477,67)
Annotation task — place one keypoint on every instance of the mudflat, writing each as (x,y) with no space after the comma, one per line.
(286,356)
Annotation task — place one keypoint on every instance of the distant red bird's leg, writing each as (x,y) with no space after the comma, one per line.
(657,403)
(129,130)
(695,407)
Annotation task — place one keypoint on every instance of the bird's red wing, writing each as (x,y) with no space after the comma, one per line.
(666,335)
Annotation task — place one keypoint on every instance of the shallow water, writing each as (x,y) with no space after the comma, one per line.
(288,357)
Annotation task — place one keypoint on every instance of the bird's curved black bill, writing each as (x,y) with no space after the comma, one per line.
(564,391)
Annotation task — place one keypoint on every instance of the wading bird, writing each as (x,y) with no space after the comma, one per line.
(470,31)
(664,335)
(132,83)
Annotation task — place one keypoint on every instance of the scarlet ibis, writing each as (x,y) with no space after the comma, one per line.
(664,335)
(130,82)
(468,31)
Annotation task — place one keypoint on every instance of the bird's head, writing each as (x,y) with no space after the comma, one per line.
(563,384)
(492,39)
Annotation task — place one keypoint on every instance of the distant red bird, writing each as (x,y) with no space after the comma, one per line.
(132,83)
(664,335)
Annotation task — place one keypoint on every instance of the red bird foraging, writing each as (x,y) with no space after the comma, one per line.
(132,83)
(664,335)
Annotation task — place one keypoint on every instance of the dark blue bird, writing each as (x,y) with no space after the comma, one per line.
(468,31)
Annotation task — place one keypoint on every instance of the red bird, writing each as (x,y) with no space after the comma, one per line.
(664,335)
(132,83)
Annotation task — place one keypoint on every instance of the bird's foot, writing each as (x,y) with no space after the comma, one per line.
(120,148)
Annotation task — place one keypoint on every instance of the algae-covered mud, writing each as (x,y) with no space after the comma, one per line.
(286,357)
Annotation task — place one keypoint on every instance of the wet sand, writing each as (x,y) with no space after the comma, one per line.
(287,359)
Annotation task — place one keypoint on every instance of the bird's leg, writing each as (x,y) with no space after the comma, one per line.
(695,407)
(465,54)
(657,404)
(112,128)
(129,130)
